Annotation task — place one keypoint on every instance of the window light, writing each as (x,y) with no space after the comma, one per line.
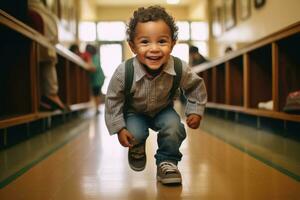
(173,1)
(87,31)
(111,31)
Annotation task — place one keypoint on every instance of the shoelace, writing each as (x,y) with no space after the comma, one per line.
(138,151)
(168,167)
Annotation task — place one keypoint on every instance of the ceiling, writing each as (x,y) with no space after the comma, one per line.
(137,2)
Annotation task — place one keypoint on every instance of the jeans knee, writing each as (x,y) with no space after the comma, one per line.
(175,130)
(139,134)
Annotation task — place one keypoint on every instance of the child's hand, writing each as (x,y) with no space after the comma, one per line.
(193,121)
(125,138)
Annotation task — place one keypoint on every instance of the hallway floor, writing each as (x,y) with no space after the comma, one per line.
(79,160)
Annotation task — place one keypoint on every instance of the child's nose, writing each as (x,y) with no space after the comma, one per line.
(154,47)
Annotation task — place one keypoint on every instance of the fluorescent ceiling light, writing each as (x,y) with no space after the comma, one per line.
(173,1)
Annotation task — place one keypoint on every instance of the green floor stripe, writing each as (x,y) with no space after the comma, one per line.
(257,157)
(23,170)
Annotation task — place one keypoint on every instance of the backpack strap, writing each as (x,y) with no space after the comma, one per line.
(129,71)
(128,76)
(177,78)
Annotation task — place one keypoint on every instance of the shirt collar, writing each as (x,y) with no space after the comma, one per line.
(140,72)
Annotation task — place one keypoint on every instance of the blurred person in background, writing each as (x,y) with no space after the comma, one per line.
(195,58)
(91,56)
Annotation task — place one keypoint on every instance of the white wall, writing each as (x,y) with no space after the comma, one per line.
(273,16)
(88,10)
(198,10)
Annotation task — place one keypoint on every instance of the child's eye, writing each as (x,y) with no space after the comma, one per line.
(144,41)
(162,41)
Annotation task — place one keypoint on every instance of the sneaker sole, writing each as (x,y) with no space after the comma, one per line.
(137,169)
(169,180)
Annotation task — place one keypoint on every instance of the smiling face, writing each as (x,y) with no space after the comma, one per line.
(152,43)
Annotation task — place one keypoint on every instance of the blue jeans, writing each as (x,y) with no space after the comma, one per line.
(171,132)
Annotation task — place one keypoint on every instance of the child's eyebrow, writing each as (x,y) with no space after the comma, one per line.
(165,36)
(142,37)
(160,36)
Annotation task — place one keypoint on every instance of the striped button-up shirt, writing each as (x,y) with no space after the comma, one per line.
(151,95)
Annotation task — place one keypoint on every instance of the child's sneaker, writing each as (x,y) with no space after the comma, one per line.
(168,173)
(137,157)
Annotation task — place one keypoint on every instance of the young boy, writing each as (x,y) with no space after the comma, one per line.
(152,34)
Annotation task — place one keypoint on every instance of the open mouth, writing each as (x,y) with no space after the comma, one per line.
(154,58)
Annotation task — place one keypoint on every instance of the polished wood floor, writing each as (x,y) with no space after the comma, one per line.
(92,165)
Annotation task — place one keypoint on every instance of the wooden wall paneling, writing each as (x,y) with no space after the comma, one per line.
(20,72)
(81,87)
(68,100)
(210,83)
(207,76)
(220,86)
(34,77)
(38,80)
(246,80)
(78,84)
(214,85)
(87,87)
(275,77)
(61,69)
(83,84)
(18,86)
(260,75)
(18,27)
(73,83)
(227,83)
(289,67)
(236,81)
(16,74)
(267,69)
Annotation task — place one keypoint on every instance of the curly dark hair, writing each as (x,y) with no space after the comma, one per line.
(151,13)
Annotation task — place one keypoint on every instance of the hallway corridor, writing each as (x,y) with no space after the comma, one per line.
(87,163)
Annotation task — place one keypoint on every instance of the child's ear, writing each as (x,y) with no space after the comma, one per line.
(132,47)
(173,44)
